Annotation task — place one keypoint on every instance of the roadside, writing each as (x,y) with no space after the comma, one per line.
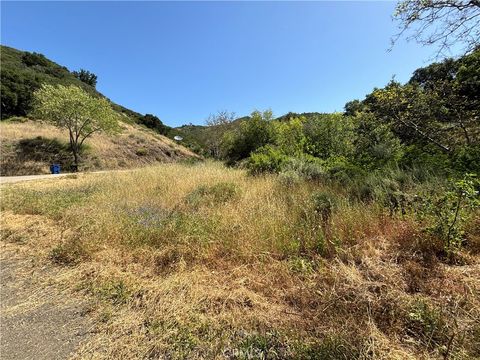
(37,321)
(14,179)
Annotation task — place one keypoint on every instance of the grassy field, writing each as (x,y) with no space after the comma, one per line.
(29,147)
(203,261)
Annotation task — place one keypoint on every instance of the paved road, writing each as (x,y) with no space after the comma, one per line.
(14,179)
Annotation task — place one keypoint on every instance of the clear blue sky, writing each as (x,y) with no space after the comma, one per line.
(184,60)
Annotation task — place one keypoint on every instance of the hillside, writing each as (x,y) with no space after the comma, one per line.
(23,72)
(30,147)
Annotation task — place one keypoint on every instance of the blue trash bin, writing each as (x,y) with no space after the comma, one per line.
(55,168)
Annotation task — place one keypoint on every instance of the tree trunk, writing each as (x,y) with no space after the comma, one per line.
(75,157)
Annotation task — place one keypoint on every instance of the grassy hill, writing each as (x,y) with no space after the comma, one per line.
(29,147)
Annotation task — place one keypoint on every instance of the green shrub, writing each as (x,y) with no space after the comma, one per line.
(448,212)
(323,204)
(332,347)
(345,173)
(114,291)
(426,324)
(308,168)
(266,159)
(253,133)
(289,178)
(17,119)
(141,151)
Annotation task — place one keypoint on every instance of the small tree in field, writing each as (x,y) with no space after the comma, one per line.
(71,108)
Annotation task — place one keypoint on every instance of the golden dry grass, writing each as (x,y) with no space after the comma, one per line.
(206,262)
(133,146)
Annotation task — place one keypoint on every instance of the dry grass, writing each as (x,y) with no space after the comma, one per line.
(206,262)
(30,147)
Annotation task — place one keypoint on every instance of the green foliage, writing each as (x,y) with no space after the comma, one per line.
(290,137)
(306,167)
(86,77)
(375,145)
(447,213)
(70,252)
(252,134)
(330,348)
(266,159)
(52,203)
(323,205)
(153,122)
(437,111)
(114,291)
(329,135)
(71,108)
(426,324)
(34,59)
(260,346)
(23,73)
(141,151)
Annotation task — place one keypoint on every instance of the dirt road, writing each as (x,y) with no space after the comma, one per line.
(14,179)
(36,320)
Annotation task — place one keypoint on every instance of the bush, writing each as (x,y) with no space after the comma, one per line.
(345,173)
(141,151)
(448,213)
(323,204)
(308,168)
(427,324)
(289,178)
(266,159)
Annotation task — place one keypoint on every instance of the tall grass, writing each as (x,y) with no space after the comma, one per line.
(203,261)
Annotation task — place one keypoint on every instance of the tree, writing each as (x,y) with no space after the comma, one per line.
(252,134)
(329,135)
(218,123)
(375,144)
(71,108)
(442,23)
(153,122)
(222,117)
(86,76)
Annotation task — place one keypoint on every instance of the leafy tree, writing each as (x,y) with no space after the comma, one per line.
(86,76)
(442,23)
(352,107)
(71,108)
(252,134)
(375,144)
(289,136)
(153,122)
(329,135)
(414,114)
